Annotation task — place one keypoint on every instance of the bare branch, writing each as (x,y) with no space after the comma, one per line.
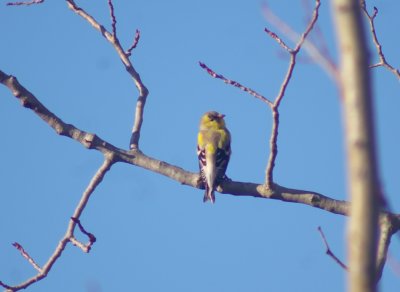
(310,26)
(134,44)
(28,100)
(236,84)
(113,19)
(124,56)
(386,229)
(382,59)
(329,251)
(9,288)
(320,58)
(69,235)
(25,3)
(92,239)
(278,39)
(26,255)
(273,143)
(317,38)
(273,149)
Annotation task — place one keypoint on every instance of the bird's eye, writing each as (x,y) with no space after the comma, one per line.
(211,118)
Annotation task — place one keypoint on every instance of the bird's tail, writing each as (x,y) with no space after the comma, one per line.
(209,195)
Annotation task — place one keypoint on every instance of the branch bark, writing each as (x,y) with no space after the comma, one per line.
(360,145)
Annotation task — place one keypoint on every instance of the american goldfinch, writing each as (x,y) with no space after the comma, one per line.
(213,151)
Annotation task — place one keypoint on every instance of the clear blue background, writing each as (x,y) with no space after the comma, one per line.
(154,234)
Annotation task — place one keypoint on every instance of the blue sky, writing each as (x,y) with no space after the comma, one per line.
(154,234)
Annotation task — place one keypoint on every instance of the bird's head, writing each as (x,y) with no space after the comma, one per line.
(212,120)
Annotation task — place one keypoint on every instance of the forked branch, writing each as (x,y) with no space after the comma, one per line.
(382,59)
(69,235)
(329,251)
(124,57)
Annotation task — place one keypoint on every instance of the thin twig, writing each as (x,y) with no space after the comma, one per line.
(26,255)
(329,252)
(278,39)
(236,84)
(317,38)
(113,19)
(273,143)
(9,288)
(382,59)
(25,3)
(92,239)
(313,51)
(134,44)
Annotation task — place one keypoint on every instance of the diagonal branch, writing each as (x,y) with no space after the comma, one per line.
(26,255)
(236,84)
(134,44)
(124,57)
(69,235)
(329,251)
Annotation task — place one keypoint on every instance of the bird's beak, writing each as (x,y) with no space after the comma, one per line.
(221,116)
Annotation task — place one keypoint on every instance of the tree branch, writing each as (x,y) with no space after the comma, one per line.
(382,59)
(386,230)
(329,251)
(313,51)
(69,235)
(134,44)
(92,239)
(124,57)
(273,143)
(26,255)
(213,74)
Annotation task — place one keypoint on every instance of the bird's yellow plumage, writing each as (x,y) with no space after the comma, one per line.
(213,151)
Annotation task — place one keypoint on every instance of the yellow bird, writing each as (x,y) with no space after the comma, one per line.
(213,151)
